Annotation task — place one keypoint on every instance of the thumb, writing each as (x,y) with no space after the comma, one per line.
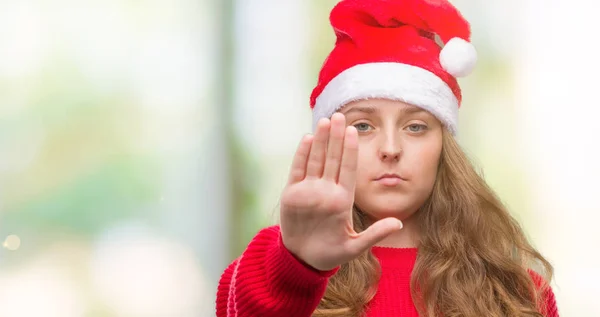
(375,233)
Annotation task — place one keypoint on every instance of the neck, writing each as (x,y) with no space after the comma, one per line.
(407,237)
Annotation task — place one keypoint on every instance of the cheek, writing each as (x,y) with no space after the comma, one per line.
(367,163)
(420,163)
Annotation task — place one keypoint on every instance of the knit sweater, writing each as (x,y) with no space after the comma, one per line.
(268,281)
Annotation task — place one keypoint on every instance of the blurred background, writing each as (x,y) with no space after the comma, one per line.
(144,143)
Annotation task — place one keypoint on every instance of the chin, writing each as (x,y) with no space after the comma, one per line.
(401,204)
(388,208)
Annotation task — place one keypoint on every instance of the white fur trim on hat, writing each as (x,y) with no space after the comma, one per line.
(394,81)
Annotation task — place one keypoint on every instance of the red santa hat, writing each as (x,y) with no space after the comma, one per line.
(387,49)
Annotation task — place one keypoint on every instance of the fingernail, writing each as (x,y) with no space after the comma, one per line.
(337,114)
(323,121)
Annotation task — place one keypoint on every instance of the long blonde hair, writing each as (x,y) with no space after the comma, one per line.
(473,257)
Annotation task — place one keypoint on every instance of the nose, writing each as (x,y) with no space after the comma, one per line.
(390,148)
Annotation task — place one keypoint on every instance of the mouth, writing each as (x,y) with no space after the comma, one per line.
(390,180)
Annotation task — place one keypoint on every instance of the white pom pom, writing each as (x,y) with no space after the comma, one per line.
(458,57)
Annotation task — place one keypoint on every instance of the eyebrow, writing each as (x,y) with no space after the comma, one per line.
(412,110)
(370,110)
(364,109)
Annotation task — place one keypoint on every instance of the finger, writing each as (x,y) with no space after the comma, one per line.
(347,177)
(335,147)
(373,234)
(298,168)
(316,159)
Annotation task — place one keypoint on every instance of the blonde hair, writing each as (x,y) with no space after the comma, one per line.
(473,257)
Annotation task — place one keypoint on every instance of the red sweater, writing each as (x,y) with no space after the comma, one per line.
(268,281)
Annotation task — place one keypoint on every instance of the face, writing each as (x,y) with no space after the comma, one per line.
(399,152)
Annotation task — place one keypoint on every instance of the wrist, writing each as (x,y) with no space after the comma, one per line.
(318,270)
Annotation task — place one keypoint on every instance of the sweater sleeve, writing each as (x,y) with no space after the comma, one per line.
(268,281)
(549,307)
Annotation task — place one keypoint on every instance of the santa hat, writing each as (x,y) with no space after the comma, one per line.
(387,49)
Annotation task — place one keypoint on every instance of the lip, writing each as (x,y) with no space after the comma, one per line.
(389,179)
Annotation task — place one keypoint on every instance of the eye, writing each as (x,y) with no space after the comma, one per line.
(362,127)
(416,128)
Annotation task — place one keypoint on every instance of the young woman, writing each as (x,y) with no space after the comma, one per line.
(383,214)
